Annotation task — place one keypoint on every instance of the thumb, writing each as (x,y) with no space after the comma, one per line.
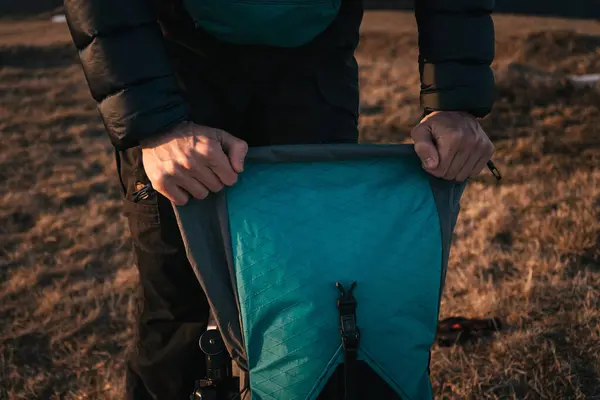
(425,146)
(236,149)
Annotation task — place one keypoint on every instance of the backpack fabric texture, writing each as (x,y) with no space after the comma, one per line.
(302,218)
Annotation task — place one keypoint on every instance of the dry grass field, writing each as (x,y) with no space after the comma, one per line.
(526,250)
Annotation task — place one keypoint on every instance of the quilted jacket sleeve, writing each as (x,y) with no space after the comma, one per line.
(129,74)
(456,48)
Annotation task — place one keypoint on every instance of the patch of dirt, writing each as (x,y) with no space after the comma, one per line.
(28,8)
(24,57)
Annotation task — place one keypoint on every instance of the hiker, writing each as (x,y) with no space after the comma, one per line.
(183,89)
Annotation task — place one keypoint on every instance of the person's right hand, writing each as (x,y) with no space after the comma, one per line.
(192,160)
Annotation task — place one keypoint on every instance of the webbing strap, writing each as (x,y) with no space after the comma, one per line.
(350,338)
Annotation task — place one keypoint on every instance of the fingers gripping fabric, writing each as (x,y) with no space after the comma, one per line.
(302,218)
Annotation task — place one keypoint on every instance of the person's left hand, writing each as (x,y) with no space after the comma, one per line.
(452,145)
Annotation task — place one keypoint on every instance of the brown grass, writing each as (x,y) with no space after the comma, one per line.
(526,250)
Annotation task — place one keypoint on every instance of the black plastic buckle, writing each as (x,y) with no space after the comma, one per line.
(347,308)
(204,390)
(494,170)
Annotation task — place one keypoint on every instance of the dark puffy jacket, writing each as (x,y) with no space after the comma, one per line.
(123,50)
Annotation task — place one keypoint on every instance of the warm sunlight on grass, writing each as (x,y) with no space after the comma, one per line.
(526,250)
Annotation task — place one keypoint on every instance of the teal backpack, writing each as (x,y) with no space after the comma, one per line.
(282,23)
(324,258)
